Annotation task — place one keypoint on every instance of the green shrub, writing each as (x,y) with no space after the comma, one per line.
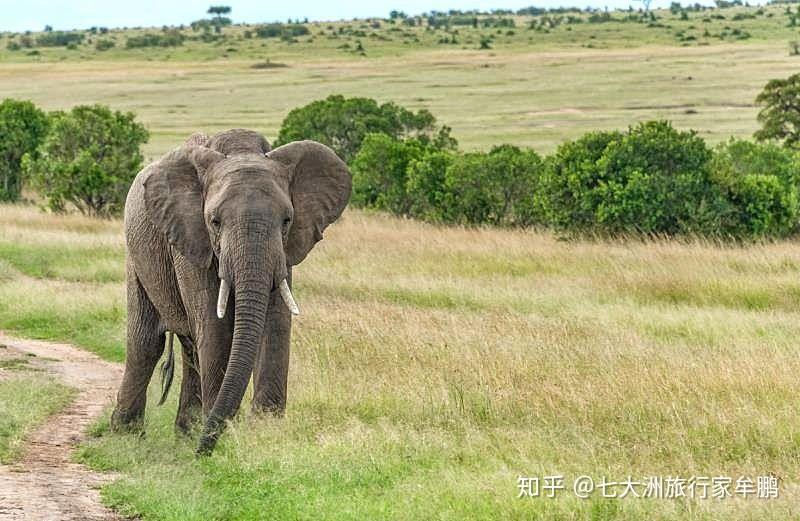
(207,24)
(171,38)
(59,39)
(419,179)
(738,157)
(281,30)
(651,179)
(104,45)
(425,184)
(380,172)
(763,207)
(568,188)
(343,123)
(22,127)
(88,159)
(760,182)
(654,180)
(496,188)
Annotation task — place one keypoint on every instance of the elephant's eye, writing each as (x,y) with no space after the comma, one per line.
(286,224)
(215,221)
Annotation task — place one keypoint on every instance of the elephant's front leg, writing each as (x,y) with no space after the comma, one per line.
(145,346)
(214,349)
(272,363)
(211,337)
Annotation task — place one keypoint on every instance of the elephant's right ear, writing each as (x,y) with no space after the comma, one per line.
(173,195)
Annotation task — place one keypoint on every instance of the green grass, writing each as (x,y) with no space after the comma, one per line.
(56,261)
(60,279)
(27,398)
(433,366)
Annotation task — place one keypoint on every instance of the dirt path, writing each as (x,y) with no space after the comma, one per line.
(44,484)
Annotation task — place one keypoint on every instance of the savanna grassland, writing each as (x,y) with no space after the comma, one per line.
(532,88)
(432,366)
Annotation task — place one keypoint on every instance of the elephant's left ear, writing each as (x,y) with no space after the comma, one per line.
(319,186)
(173,195)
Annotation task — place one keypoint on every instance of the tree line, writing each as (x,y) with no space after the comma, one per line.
(650,179)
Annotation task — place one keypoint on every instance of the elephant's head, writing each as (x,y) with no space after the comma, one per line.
(257,212)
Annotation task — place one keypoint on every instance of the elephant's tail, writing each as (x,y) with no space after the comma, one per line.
(167,369)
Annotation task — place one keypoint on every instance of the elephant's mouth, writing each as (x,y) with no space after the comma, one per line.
(283,287)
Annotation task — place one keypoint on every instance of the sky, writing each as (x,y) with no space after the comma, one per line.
(33,15)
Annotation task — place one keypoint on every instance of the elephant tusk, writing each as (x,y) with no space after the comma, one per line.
(222,299)
(286,293)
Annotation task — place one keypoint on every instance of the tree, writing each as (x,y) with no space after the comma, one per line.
(219,10)
(88,159)
(780,117)
(23,127)
(343,123)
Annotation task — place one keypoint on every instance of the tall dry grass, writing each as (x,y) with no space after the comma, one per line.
(432,366)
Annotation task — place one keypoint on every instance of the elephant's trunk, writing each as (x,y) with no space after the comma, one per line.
(253,279)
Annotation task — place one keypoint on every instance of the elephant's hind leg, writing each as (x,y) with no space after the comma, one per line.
(190,406)
(145,347)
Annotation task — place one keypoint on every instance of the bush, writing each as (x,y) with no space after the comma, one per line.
(763,207)
(738,157)
(207,24)
(568,188)
(425,184)
(343,123)
(760,181)
(88,159)
(655,180)
(496,188)
(419,179)
(285,31)
(380,172)
(171,38)
(652,179)
(59,39)
(104,45)
(23,127)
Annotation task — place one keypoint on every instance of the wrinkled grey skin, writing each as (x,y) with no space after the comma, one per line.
(221,207)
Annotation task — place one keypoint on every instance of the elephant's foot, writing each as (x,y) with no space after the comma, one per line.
(269,408)
(127,421)
(187,421)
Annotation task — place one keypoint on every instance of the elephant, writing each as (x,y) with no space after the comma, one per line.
(212,230)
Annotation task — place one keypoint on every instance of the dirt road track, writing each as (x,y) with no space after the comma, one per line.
(44,484)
